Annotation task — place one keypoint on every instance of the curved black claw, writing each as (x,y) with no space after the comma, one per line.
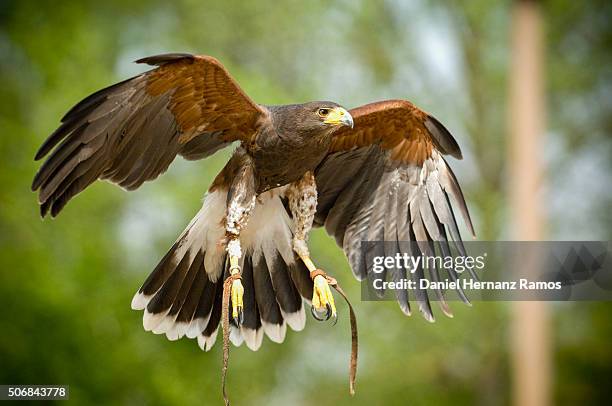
(328,313)
(240,319)
(335,317)
(315,314)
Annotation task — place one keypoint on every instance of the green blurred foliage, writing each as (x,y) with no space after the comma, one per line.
(66,284)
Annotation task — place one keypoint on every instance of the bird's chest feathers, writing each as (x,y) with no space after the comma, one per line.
(280,160)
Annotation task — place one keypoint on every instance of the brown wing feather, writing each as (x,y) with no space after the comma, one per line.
(386,179)
(398,126)
(205,98)
(131,132)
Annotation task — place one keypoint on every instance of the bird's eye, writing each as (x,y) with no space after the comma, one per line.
(323,112)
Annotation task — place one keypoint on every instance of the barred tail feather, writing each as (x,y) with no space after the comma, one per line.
(183,295)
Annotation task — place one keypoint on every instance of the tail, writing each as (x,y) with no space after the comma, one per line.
(182,296)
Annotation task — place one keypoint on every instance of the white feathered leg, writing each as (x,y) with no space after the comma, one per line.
(241,201)
(302,197)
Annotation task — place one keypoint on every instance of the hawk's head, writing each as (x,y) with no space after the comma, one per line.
(319,117)
(330,114)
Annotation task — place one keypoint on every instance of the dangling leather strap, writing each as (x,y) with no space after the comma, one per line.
(227,290)
(354,336)
(227,286)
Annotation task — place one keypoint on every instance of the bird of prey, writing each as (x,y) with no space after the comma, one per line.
(373,173)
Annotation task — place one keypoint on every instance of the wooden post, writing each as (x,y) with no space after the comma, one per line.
(530,340)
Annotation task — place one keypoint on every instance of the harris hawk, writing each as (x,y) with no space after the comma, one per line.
(372,173)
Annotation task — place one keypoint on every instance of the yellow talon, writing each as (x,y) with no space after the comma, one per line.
(237,303)
(237,291)
(322,298)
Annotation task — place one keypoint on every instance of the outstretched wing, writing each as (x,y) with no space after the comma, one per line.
(386,180)
(130,132)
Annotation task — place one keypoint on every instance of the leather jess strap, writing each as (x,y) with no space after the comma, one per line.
(227,286)
(227,289)
(354,336)
(317,272)
(353,319)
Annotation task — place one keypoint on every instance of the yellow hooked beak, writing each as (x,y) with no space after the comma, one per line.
(339,116)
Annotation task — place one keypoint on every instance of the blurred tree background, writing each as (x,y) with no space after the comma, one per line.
(66,284)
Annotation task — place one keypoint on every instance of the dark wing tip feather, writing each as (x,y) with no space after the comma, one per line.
(460,200)
(72,117)
(161,59)
(443,139)
(35,183)
(92,101)
(56,136)
(44,209)
(42,151)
